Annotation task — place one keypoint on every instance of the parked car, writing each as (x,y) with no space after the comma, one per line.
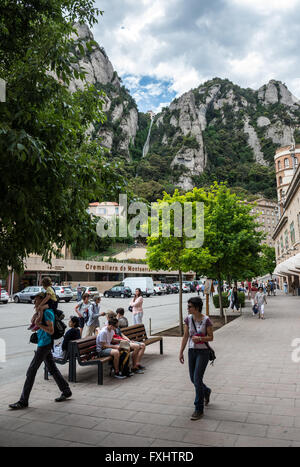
(191,285)
(118,291)
(28,294)
(185,287)
(143,283)
(157,290)
(63,293)
(92,291)
(4,296)
(174,288)
(74,292)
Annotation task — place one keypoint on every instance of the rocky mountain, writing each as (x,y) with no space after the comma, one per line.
(220,125)
(218,131)
(119,131)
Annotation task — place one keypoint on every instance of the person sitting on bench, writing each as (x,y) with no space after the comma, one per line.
(107,346)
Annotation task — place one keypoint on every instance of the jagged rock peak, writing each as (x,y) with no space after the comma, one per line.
(277,92)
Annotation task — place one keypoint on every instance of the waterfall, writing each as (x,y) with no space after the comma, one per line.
(147,144)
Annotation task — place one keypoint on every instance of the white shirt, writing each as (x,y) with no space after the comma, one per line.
(105,336)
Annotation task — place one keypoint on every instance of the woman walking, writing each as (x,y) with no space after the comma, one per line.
(198,331)
(137,307)
(234,300)
(260,301)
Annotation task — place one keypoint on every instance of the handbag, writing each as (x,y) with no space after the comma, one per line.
(211,355)
(130,308)
(33,338)
(255,309)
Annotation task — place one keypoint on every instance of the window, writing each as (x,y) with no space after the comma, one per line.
(279,165)
(101,211)
(286,238)
(117,211)
(296,161)
(278,249)
(280,180)
(292,233)
(286,163)
(281,243)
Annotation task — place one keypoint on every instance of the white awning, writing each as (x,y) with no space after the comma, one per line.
(288,267)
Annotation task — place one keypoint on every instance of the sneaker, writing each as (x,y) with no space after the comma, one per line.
(119,376)
(18,406)
(63,397)
(141,367)
(197,415)
(138,371)
(207,397)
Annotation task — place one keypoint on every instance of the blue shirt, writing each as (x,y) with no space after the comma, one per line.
(43,337)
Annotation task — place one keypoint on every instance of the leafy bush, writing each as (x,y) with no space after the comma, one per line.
(225,300)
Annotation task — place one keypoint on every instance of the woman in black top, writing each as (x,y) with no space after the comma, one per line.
(72,334)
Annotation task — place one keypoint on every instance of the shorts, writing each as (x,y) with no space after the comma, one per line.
(81,322)
(104,353)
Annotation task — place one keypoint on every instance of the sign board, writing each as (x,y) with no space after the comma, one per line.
(207,286)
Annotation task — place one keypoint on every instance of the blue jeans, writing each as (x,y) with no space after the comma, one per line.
(198,361)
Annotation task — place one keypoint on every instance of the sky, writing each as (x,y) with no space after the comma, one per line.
(163,48)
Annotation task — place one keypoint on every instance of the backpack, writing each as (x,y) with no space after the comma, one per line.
(59,325)
(124,362)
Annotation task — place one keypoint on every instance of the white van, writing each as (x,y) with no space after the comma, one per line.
(143,283)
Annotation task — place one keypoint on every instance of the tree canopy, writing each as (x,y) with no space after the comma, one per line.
(50,169)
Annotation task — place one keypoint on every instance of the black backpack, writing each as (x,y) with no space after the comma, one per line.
(124,362)
(59,325)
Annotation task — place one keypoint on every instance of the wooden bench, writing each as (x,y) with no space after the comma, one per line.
(84,350)
(137,333)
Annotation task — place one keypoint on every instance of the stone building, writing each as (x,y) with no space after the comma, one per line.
(267,211)
(287,231)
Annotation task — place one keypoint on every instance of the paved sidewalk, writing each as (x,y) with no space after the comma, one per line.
(255,399)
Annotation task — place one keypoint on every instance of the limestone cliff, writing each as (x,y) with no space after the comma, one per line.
(119,131)
(192,126)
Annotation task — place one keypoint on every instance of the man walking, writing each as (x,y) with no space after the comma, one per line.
(93,316)
(43,354)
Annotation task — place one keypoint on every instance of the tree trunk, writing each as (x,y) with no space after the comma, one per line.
(220,297)
(180,304)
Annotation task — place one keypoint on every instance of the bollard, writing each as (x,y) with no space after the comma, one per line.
(150,331)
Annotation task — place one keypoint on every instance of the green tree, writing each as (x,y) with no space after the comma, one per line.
(50,170)
(267,260)
(231,236)
(172,253)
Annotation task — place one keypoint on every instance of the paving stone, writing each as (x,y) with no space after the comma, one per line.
(117,440)
(251,441)
(153,418)
(292,434)
(277,420)
(115,426)
(242,428)
(210,438)
(81,435)
(41,428)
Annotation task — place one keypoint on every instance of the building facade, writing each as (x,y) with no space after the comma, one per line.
(267,212)
(287,231)
(102,275)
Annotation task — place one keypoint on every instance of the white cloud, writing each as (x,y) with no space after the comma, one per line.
(186,43)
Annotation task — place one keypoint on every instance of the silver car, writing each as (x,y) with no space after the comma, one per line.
(28,294)
(4,296)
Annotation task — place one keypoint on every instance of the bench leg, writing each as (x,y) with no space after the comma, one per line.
(100,374)
(72,370)
(70,376)
(161,347)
